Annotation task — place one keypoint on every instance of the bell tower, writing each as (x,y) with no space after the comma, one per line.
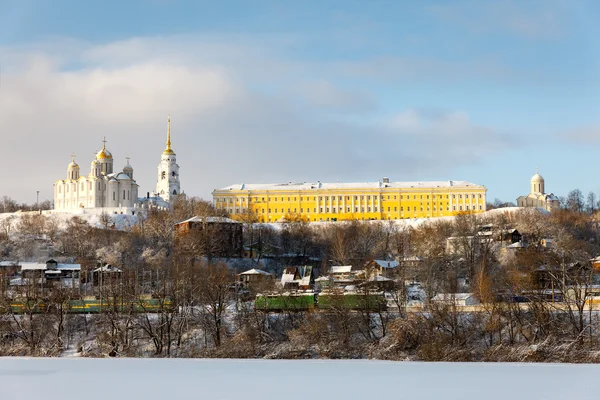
(168,185)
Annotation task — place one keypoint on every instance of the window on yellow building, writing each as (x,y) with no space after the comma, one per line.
(368,209)
(388,209)
(401,208)
(460,208)
(275,211)
(388,197)
(320,209)
(362,209)
(407,208)
(395,208)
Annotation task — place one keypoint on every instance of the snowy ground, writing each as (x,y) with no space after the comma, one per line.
(175,379)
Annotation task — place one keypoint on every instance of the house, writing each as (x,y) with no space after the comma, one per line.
(219,236)
(49,274)
(106,275)
(297,278)
(456,299)
(381,268)
(254,276)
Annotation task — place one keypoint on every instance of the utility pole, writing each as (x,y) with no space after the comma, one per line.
(37,198)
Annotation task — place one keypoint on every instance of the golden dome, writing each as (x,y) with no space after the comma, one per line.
(104,154)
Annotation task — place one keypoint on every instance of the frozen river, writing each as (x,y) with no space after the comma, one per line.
(174,379)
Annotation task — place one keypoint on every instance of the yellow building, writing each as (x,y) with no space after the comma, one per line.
(382,200)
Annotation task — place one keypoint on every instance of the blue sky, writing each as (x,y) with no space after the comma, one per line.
(267,91)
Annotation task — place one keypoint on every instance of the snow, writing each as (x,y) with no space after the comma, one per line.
(341,269)
(121,221)
(255,271)
(154,379)
(348,185)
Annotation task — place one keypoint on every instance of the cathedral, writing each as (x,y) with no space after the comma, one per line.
(537,196)
(104,190)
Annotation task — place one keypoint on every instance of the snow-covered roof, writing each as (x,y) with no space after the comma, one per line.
(451,296)
(341,269)
(42,266)
(387,264)
(210,219)
(412,258)
(107,268)
(8,263)
(255,271)
(379,278)
(32,266)
(349,185)
(69,267)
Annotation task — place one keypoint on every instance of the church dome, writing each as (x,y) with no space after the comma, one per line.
(73,164)
(537,178)
(104,154)
(168,152)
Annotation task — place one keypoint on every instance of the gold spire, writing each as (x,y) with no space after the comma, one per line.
(168,149)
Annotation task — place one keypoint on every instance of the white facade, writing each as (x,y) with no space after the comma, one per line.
(168,185)
(102,188)
(537,196)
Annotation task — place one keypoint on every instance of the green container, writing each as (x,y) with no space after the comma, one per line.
(285,302)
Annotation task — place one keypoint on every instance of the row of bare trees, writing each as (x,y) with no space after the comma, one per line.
(536,295)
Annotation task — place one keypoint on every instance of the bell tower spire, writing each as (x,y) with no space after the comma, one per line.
(168,185)
(168,149)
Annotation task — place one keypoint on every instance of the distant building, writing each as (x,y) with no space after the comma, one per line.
(102,188)
(219,236)
(538,197)
(48,274)
(382,200)
(110,191)
(254,276)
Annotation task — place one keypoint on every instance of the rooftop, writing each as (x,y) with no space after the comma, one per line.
(350,185)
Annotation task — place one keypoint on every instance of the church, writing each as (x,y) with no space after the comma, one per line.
(538,197)
(104,190)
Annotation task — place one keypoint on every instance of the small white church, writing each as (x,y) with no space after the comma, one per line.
(537,196)
(105,191)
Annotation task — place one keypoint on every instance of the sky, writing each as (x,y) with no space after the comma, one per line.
(272,91)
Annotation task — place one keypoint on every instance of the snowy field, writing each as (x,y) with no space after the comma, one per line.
(174,379)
